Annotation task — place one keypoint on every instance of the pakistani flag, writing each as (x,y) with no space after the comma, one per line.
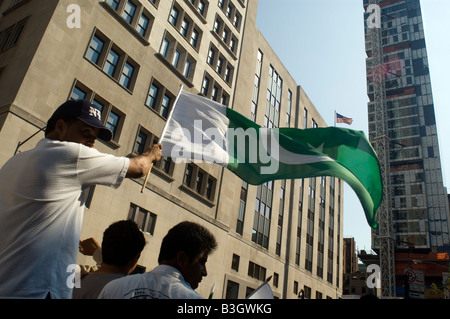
(199,129)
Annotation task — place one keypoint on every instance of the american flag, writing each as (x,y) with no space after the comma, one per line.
(343,119)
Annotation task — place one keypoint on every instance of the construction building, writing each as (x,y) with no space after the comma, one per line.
(417,199)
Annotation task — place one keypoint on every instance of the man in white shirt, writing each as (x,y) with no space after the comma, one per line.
(182,265)
(42,195)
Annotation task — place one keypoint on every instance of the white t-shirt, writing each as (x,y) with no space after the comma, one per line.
(163,282)
(42,195)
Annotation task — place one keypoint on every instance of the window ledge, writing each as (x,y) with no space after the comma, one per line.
(175,70)
(227,48)
(125,23)
(197,195)
(202,18)
(110,77)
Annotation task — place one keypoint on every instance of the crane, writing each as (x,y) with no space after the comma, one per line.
(381,145)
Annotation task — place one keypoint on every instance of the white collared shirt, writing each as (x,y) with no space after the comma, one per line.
(163,282)
(42,196)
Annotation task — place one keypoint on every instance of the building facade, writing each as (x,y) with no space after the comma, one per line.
(418,198)
(131,57)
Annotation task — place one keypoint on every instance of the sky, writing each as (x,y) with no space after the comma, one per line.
(321,44)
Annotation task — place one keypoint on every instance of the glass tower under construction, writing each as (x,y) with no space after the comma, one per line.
(418,198)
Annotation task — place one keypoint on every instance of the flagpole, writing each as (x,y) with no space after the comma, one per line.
(162,135)
(212,291)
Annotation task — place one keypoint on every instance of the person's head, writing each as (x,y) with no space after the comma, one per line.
(122,245)
(186,247)
(77,121)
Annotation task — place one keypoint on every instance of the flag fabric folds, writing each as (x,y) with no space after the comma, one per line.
(343,119)
(262,292)
(199,129)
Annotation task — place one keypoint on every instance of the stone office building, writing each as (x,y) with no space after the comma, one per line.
(131,57)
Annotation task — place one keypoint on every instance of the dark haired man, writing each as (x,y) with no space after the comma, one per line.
(121,248)
(42,193)
(182,265)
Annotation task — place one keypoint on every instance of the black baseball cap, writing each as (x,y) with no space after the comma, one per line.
(85,111)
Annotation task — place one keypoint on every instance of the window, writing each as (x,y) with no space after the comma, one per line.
(165,105)
(280,217)
(211,54)
(111,62)
(10,36)
(289,106)
(181,62)
(78,94)
(229,11)
(176,58)
(217,26)
(142,24)
(188,174)
(144,219)
(232,291)
(159,99)
(114,62)
(199,182)
(184,27)
(127,74)
(165,47)
(174,16)
(137,19)
(201,7)
(194,37)
(275,279)
(242,205)
(235,262)
(113,3)
(143,140)
(95,48)
(113,122)
(225,35)
(187,69)
(111,116)
(152,95)
(219,65)
(128,12)
(205,86)
(237,20)
(227,76)
(305,118)
(262,216)
(256,271)
(225,99)
(187,28)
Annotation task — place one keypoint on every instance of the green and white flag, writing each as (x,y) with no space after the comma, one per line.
(199,129)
